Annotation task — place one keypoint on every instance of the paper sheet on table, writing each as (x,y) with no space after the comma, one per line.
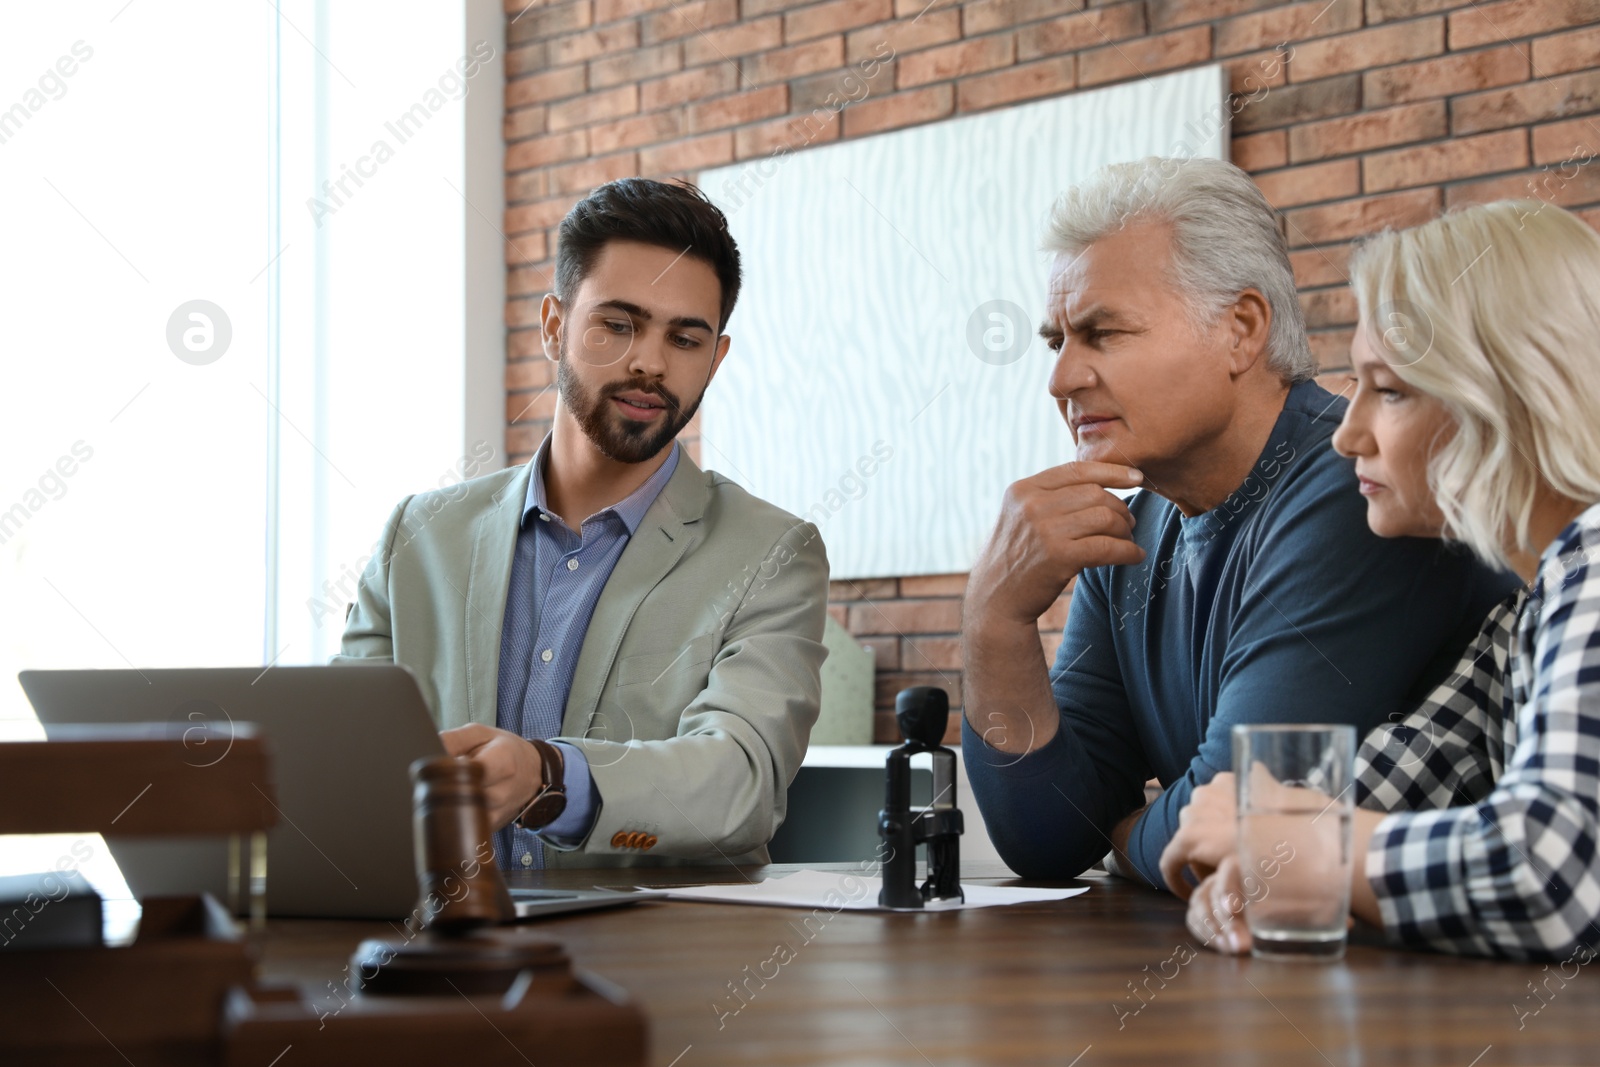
(838,891)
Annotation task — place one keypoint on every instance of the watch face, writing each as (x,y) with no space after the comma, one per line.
(546,809)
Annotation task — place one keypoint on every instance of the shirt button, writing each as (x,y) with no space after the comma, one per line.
(543,517)
(527,859)
(546,655)
(572,564)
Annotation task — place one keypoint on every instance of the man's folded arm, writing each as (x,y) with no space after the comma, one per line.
(720,786)
(1352,633)
(1051,811)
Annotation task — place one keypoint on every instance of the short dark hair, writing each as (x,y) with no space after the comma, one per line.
(674,215)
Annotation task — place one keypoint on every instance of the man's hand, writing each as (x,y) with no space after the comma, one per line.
(512,774)
(1208,833)
(1052,526)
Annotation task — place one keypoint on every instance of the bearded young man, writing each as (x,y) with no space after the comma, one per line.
(628,645)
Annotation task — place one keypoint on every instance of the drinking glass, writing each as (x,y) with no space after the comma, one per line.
(1295,800)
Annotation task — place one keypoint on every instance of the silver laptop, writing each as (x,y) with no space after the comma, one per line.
(342,740)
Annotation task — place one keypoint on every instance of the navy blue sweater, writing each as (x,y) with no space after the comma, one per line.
(1278,605)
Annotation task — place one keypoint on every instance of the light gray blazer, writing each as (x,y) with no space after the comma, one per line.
(698,682)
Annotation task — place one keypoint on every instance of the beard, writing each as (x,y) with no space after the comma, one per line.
(619,438)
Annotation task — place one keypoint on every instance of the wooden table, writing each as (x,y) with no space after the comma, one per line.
(1073,982)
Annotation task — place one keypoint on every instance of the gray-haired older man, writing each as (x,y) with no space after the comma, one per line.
(1240,584)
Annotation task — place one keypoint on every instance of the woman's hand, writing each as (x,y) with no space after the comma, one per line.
(1207,834)
(1216,909)
(1206,843)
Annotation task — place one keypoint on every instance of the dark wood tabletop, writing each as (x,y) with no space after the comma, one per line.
(1110,976)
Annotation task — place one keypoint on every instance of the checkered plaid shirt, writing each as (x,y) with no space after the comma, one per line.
(1494,780)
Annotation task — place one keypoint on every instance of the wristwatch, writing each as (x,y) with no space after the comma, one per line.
(551,799)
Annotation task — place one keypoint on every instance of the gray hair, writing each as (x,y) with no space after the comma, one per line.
(1225,239)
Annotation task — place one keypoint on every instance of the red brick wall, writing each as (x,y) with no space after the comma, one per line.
(1351,114)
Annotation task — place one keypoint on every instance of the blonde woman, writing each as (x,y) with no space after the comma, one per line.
(1476,416)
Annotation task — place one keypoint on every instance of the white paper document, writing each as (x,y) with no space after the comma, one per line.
(845,891)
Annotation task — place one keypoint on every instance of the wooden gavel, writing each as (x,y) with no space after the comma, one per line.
(459,885)
(462,897)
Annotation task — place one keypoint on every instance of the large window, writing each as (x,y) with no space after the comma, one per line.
(245,254)
(134,273)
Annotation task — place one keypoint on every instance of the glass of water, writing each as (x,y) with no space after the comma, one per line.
(1296,798)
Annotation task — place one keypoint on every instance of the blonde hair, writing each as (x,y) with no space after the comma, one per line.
(1495,310)
(1225,239)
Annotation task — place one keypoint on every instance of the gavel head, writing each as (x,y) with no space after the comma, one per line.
(922,711)
(460,885)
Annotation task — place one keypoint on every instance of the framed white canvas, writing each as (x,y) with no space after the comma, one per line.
(885,379)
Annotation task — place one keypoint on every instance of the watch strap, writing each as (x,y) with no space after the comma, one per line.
(551,799)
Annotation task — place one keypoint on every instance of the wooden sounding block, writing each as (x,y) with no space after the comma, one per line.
(549,1014)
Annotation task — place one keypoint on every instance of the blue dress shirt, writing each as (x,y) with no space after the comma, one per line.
(557,576)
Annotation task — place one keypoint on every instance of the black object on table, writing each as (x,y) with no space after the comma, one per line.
(922,713)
